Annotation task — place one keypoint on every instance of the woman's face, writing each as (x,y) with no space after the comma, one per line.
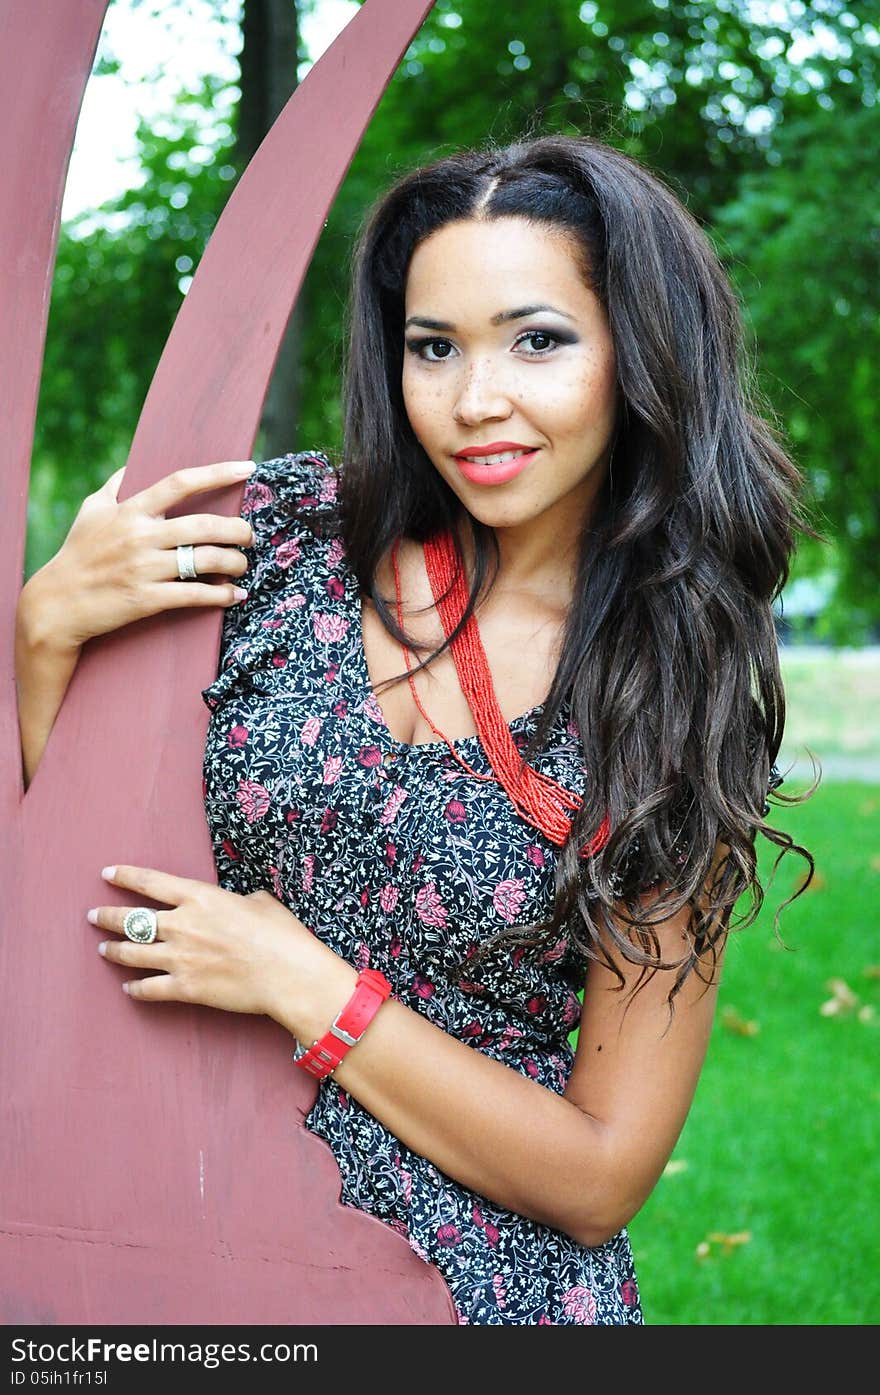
(507,347)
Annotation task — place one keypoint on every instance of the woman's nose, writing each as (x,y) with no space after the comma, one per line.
(481,396)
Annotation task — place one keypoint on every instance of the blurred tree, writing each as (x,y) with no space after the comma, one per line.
(119,279)
(752,112)
(268,61)
(803,244)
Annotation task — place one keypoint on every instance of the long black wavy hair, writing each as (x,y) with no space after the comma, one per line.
(669,654)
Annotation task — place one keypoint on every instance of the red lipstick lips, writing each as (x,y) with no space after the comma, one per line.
(494,448)
(499,472)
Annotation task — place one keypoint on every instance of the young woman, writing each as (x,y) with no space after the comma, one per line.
(496,723)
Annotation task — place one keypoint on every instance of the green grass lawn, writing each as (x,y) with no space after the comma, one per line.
(781,1152)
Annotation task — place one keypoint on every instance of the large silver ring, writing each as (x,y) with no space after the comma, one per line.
(140,925)
(186,562)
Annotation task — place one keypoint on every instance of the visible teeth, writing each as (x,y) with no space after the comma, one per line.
(496,459)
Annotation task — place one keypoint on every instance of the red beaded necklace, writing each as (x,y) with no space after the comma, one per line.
(540,800)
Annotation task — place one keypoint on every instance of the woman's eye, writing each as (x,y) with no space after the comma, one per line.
(547,341)
(418,347)
(439,350)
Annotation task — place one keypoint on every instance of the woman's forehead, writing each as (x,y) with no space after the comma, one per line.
(495,265)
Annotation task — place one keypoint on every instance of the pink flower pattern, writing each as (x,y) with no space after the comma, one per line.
(327,490)
(369,757)
(393,804)
(256,496)
(398,860)
(294,602)
(329,629)
(429,908)
(579,1303)
(288,553)
(335,553)
(308,871)
(253,798)
(388,897)
(509,897)
(448,1235)
(555,952)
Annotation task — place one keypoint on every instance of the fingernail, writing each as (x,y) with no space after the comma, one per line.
(108,873)
(245,467)
(102,947)
(92,916)
(125,987)
(239,594)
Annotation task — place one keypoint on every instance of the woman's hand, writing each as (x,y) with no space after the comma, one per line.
(118,563)
(239,953)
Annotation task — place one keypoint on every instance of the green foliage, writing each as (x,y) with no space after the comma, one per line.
(803,242)
(119,281)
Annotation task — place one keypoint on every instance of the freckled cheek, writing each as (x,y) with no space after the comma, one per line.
(595,393)
(419,398)
(575,401)
(428,408)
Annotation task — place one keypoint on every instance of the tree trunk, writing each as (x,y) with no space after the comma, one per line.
(269,60)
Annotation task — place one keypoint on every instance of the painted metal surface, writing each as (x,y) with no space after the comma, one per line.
(153,1166)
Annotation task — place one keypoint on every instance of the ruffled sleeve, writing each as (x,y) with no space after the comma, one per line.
(275,497)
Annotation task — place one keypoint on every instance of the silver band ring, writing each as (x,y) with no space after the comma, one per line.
(140,925)
(186,562)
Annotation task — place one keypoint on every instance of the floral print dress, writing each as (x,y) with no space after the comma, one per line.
(399,860)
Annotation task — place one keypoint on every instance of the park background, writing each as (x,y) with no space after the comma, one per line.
(762,115)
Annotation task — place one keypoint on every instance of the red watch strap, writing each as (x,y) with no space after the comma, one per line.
(323,1056)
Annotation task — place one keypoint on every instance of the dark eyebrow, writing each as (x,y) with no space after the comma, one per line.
(526,310)
(505,315)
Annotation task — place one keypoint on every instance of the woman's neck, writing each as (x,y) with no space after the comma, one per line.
(539,557)
(530,564)
(533,565)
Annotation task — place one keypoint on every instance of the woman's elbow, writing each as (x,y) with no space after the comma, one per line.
(594,1230)
(600,1185)
(596,1224)
(608,1205)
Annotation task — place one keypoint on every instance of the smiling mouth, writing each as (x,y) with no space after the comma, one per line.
(500,459)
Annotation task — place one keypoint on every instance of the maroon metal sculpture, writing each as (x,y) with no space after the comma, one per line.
(156,1171)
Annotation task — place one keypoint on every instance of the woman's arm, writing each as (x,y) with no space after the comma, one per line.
(118,564)
(44,664)
(583,1162)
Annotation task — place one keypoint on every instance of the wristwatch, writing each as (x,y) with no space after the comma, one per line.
(323,1056)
